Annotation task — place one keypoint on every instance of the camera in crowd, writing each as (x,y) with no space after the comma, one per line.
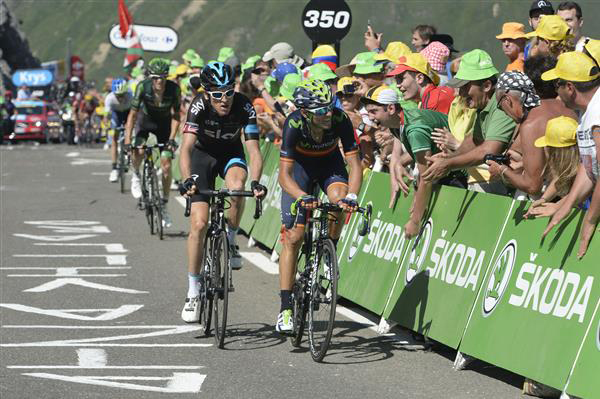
(501,159)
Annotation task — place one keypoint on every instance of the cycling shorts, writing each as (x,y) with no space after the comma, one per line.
(307,172)
(161,128)
(118,119)
(207,166)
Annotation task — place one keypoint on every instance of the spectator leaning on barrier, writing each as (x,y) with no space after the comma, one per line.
(551,36)
(421,36)
(513,45)
(417,81)
(492,131)
(578,82)
(573,16)
(411,128)
(537,9)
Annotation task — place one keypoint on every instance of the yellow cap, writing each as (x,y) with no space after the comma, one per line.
(393,51)
(88,97)
(182,69)
(346,80)
(573,67)
(593,47)
(551,27)
(415,62)
(560,132)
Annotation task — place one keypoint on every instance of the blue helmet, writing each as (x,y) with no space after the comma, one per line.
(119,86)
(217,75)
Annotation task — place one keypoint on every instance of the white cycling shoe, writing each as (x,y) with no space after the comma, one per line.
(136,186)
(166,218)
(191,310)
(114,176)
(285,322)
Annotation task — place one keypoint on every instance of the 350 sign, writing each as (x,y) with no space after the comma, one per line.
(326,21)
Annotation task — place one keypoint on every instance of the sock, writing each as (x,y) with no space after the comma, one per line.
(114,165)
(286,300)
(193,283)
(231,233)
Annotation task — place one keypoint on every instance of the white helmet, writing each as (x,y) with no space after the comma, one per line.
(74,79)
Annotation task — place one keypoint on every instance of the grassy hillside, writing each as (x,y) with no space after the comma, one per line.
(253,26)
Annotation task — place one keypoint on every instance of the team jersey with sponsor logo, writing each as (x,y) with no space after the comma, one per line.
(298,142)
(145,100)
(213,130)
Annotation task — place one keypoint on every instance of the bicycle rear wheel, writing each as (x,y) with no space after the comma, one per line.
(221,269)
(300,307)
(322,300)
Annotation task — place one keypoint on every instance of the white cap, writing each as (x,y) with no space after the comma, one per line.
(280,52)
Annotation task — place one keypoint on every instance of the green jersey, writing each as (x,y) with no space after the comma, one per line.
(145,100)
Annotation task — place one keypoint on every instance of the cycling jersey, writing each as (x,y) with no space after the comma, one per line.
(113,103)
(88,107)
(144,99)
(215,132)
(298,143)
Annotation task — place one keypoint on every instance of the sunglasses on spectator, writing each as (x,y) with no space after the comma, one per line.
(258,71)
(321,111)
(217,95)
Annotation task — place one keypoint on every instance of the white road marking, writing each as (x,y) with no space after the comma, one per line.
(93,358)
(56,238)
(108,341)
(112,248)
(100,173)
(72,154)
(61,282)
(72,314)
(110,259)
(70,226)
(261,261)
(178,383)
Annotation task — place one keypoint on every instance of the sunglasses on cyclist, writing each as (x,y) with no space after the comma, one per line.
(217,95)
(156,77)
(321,111)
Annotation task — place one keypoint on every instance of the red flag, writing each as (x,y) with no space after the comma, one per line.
(125,20)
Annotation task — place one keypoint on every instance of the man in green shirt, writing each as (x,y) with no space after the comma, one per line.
(413,129)
(493,130)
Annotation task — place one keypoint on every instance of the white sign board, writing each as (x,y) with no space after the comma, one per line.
(153,38)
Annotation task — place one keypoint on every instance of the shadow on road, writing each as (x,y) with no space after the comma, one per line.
(252,336)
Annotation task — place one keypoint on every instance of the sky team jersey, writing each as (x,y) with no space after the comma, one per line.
(144,99)
(212,129)
(298,142)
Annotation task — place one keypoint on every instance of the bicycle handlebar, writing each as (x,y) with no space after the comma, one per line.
(222,193)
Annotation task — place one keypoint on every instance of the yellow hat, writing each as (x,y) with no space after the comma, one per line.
(512,30)
(182,69)
(415,62)
(593,47)
(560,132)
(343,82)
(551,27)
(573,67)
(393,51)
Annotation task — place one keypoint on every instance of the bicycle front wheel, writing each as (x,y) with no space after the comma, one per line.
(206,295)
(322,300)
(146,199)
(121,168)
(300,307)
(157,205)
(221,269)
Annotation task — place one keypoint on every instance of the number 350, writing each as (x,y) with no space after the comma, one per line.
(326,19)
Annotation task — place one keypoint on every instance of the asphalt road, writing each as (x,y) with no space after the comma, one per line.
(90,308)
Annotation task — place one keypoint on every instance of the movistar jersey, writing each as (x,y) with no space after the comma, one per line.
(213,130)
(298,143)
(145,100)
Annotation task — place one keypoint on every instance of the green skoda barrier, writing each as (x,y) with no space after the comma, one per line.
(369,265)
(584,382)
(266,229)
(442,270)
(537,300)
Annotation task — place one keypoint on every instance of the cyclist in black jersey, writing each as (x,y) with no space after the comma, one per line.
(310,154)
(155,109)
(212,146)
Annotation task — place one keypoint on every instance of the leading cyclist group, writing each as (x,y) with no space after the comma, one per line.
(318,146)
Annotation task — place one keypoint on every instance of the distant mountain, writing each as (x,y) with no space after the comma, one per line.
(252,26)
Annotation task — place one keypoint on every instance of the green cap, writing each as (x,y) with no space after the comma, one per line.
(189,55)
(321,71)
(250,61)
(365,64)
(225,53)
(289,84)
(197,62)
(474,65)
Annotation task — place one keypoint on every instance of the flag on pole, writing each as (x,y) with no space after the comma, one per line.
(134,48)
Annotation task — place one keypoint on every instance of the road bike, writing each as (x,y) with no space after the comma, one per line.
(314,292)
(151,201)
(216,273)
(123,156)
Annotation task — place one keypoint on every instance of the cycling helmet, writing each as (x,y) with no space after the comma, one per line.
(119,86)
(217,75)
(158,66)
(74,79)
(312,93)
(88,97)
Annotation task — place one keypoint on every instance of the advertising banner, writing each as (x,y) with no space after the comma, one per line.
(369,264)
(537,301)
(153,38)
(247,221)
(444,267)
(32,77)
